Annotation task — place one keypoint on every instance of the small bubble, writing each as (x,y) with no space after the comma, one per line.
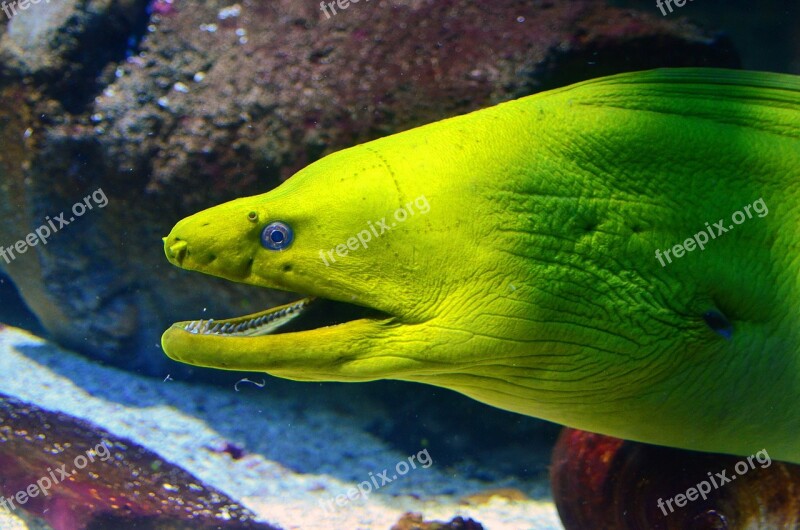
(230,12)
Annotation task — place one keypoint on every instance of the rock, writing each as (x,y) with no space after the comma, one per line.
(223,101)
(63,43)
(76,476)
(603,482)
(415,521)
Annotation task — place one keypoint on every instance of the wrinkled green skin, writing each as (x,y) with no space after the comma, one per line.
(532,283)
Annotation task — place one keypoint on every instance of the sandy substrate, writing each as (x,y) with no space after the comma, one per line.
(299,454)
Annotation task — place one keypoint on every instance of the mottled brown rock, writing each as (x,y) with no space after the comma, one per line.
(83,477)
(415,521)
(604,482)
(212,108)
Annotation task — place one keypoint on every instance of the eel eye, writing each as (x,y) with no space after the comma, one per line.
(276,236)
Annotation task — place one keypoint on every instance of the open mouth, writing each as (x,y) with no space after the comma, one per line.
(306,314)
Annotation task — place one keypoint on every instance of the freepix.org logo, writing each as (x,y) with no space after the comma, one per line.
(10,8)
(43,486)
(48,228)
(701,238)
(378,228)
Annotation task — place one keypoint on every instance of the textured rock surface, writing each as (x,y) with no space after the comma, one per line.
(79,476)
(221,101)
(63,41)
(415,521)
(604,482)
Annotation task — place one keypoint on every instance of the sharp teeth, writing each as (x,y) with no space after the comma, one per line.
(256,326)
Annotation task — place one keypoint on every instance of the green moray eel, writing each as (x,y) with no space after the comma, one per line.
(543,256)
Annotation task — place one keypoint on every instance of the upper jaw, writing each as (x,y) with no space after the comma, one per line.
(306,314)
(256,324)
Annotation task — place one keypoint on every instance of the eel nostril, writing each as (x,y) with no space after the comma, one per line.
(177,250)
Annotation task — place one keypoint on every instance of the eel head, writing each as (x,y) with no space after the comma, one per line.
(354,253)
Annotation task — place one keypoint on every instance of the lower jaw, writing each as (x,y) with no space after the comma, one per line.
(338,352)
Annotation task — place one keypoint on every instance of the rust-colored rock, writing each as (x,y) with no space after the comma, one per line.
(604,482)
(95,480)
(415,521)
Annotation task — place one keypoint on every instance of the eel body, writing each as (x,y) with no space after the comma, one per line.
(619,256)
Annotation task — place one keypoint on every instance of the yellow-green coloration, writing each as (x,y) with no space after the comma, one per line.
(532,283)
